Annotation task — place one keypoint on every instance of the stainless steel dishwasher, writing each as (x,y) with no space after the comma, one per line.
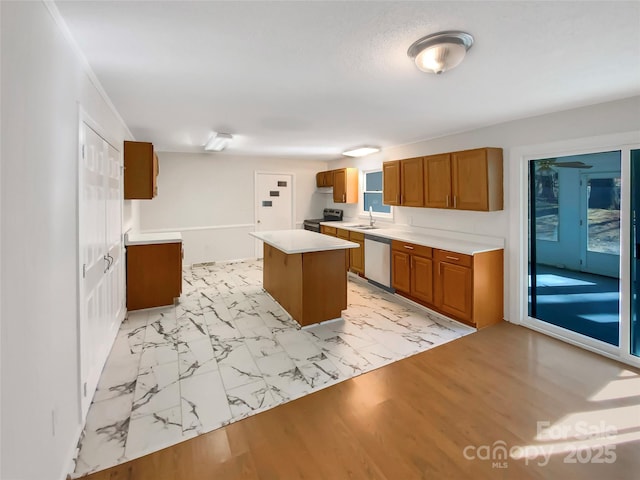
(377,260)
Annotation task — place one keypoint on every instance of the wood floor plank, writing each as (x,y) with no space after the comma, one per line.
(413,419)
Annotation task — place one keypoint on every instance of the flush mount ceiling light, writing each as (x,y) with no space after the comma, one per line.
(360,151)
(218,142)
(441,51)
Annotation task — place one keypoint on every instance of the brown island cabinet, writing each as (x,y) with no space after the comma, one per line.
(306,273)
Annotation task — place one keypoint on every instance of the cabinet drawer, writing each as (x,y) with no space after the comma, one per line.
(344,234)
(355,236)
(454,258)
(412,248)
(329,230)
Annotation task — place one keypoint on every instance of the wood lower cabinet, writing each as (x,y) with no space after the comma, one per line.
(454,290)
(140,171)
(154,275)
(356,260)
(412,270)
(464,287)
(344,234)
(326,230)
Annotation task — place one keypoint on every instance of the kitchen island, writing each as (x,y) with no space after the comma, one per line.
(306,273)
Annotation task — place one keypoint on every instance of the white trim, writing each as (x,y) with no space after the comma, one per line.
(361,211)
(64,28)
(194,229)
(518,234)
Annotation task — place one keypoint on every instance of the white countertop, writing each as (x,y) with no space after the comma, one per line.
(302,241)
(427,240)
(152,238)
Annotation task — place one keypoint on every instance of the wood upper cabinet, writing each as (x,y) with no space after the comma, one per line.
(391,183)
(345,185)
(437,181)
(411,183)
(476,179)
(356,260)
(140,171)
(324,179)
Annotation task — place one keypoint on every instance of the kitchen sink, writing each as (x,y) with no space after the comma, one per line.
(365,227)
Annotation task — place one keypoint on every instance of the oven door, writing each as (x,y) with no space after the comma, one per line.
(312,226)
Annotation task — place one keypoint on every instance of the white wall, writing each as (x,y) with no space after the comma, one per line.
(210,199)
(603,119)
(43,83)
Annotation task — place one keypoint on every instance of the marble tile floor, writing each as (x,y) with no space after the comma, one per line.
(227,351)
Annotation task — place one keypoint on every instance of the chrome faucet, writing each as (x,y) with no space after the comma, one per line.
(371,220)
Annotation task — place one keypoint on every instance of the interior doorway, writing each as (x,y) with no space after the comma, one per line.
(274,202)
(574,244)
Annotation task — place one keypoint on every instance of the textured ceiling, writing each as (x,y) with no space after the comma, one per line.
(310,79)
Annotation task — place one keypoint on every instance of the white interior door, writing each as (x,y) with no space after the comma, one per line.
(101,277)
(274,203)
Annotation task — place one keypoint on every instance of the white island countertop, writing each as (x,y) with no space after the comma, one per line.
(152,238)
(302,241)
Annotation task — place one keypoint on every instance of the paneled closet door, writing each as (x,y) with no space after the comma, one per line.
(101,266)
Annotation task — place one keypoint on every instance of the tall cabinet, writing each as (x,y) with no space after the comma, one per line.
(102,296)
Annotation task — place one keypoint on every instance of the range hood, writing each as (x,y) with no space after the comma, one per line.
(326,190)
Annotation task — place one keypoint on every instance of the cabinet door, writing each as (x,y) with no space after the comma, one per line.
(140,170)
(437,181)
(401,271)
(391,183)
(331,231)
(344,234)
(357,256)
(411,183)
(320,179)
(340,186)
(469,180)
(454,290)
(328,178)
(422,278)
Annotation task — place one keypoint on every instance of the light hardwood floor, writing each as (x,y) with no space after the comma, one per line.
(414,418)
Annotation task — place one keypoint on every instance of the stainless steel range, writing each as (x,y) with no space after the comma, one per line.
(329,215)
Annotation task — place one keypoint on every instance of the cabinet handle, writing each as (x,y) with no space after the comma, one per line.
(409,247)
(455,202)
(452,258)
(344,197)
(447,200)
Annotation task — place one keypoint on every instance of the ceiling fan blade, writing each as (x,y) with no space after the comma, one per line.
(572,165)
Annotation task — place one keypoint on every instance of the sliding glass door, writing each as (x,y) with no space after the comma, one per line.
(635,252)
(574,244)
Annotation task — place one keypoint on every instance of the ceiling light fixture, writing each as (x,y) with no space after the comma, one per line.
(218,142)
(360,151)
(441,51)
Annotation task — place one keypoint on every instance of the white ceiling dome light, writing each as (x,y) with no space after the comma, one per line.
(440,51)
